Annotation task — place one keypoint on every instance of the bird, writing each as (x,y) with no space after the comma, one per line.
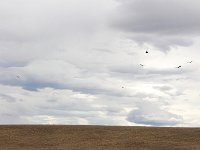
(189,62)
(141,65)
(147,52)
(178,67)
(122,87)
(18,76)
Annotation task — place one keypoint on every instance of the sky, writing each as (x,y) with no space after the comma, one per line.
(85,63)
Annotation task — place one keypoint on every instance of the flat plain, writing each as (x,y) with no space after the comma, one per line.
(73,137)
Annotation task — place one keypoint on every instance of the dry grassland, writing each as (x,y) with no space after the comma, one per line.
(60,137)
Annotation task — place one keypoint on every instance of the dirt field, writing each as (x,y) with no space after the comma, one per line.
(52,137)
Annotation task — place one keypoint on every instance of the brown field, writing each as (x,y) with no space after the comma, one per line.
(60,137)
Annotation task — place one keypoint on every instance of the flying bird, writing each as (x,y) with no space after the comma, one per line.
(141,65)
(147,52)
(189,62)
(122,87)
(178,67)
(18,76)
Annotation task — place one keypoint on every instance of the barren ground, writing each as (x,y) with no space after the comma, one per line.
(60,137)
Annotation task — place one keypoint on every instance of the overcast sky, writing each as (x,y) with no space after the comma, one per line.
(78,62)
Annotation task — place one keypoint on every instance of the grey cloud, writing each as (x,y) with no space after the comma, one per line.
(169,90)
(15,112)
(7,118)
(142,95)
(126,69)
(138,72)
(34,29)
(7,64)
(159,22)
(67,105)
(150,113)
(163,88)
(36,20)
(103,50)
(71,104)
(164,42)
(7,98)
(52,100)
(166,72)
(42,74)
(94,87)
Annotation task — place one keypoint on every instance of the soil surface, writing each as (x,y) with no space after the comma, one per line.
(65,137)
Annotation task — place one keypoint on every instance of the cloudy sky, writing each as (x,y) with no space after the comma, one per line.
(78,62)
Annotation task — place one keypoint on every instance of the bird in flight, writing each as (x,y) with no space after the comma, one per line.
(178,67)
(141,65)
(122,87)
(18,76)
(189,62)
(147,52)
